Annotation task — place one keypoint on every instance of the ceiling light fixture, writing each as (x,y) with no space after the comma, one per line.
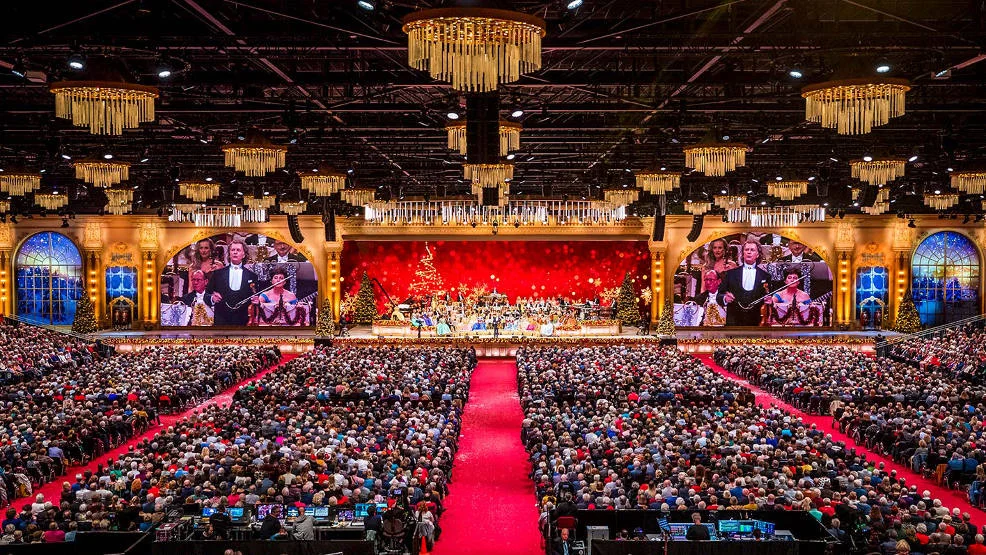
(509,136)
(105,107)
(877,171)
(77,61)
(658,182)
(256,156)
(101,174)
(516,113)
(883,68)
(368,5)
(795,74)
(453,115)
(714,158)
(19,183)
(855,106)
(323,181)
(574,4)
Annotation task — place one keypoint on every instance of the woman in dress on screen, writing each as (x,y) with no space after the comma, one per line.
(205,257)
(717,258)
(791,295)
(279,306)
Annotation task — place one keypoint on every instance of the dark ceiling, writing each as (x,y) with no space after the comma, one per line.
(624,85)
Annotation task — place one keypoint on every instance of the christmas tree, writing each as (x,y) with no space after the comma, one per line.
(325,326)
(85,316)
(427,281)
(665,326)
(627,310)
(908,320)
(365,310)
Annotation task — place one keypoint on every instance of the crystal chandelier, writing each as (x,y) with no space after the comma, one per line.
(727,202)
(51,201)
(183,211)
(658,182)
(877,208)
(323,181)
(258,203)
(715,158)
(217,216)
(788,216)
(358,197)
(474,49)
(466,212)
(102,173)
(255,156)
(697,208)
(941,202)
(20,183)
(855,106)
(105,107)
(787,190)
(509,137)
(488,175)
(119,201)
(199,191)
(621,197)
(971,182)
(4,206)
(877,171)
(292,208)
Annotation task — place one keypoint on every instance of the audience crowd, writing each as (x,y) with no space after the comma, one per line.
(958,352)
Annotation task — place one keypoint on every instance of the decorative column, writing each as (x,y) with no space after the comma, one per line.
(845,245)
(92,252)
(332,293)
(658,252)
(900,268)
(147,235)
(6,269)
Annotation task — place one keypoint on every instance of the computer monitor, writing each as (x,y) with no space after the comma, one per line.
(264,509)
(346,515)
(208,511)
(362,510)
(736,527)
(320,512)
(662,523)
(766,528)
(235,513)
(382,508)
(293,512)
(679,530)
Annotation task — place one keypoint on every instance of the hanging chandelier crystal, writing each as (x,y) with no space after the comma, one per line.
(292,208)
(51,201)
(658,182)
(509,137)
(218,216)
(781,216)
(255,156)
(488,175)
(855,106)
(199,191)
(971,182)
(787,190)
(877,171)
(4,206)
(105,107)
(358,197)
(715,158)
(323,182)
(877,208)
(621,197)
(941,202)
(119,201)
(467,212)
(474,49)
(259,203)
(697,208)
(727,202)
(102,173)
(183,212)
(20,183)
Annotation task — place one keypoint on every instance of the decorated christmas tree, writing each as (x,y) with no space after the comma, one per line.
(325,326)
(908,320)
(627,310)
(85,316)
(665,326)
(365,310)
(427,280)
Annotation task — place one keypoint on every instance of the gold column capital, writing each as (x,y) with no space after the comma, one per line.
(147,236)
(6,235)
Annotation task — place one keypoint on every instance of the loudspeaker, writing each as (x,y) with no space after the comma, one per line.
(330,226)
(295,229)
(660,220)
(483,128)
(697,222)
(491,196)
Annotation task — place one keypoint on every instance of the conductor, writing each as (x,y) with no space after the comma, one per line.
(697,531)
(742,288)
(231,285)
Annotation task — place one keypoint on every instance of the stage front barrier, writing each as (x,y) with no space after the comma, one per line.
(260,547)
(586,328)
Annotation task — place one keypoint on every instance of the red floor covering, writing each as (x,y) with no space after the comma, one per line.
(949,498)
(53,490)
(491,502)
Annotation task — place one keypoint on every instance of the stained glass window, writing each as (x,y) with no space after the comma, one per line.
(121,281)
(871,295)
(945,278)
(49,279)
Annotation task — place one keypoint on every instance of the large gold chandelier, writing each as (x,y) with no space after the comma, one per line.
(255,156)
(971,182)
(105,107)
(358,197)
(877,171)
(715,158)
(474,49)
(941,202)
(292,208)
(488,175)
(509,137)
(855,106)
(729,202)
(119,201)
(199,191)
(621,197)
(259,203)
(100,173)
(4,206)
(658,182)
(697,208)
(51,201)
(323,182)
(787,190)
(20,183)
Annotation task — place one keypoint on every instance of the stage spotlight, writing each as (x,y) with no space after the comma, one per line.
(913,158)
(368,5)
(77,61)
(164,72)
(453,115)
(108,156)
(883,67)
(796,73)
(18,69)
(573,4)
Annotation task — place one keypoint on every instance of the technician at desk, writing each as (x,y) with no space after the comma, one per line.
(304,526)
(270,525)
(697,531)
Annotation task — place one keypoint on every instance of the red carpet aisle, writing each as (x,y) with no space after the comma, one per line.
(949,498)
(491,504)
(53,490)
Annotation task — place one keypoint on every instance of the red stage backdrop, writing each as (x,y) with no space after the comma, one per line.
(574,269)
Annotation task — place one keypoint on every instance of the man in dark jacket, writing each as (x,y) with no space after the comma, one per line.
(271,524)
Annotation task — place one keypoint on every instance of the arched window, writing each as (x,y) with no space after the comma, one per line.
(945,278)
(49,279)
(871,296)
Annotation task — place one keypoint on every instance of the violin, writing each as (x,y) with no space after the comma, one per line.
(765,308)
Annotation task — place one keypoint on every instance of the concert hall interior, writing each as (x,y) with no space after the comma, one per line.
(559,277)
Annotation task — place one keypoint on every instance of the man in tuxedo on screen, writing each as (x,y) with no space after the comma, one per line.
(231,285)
(744,286)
